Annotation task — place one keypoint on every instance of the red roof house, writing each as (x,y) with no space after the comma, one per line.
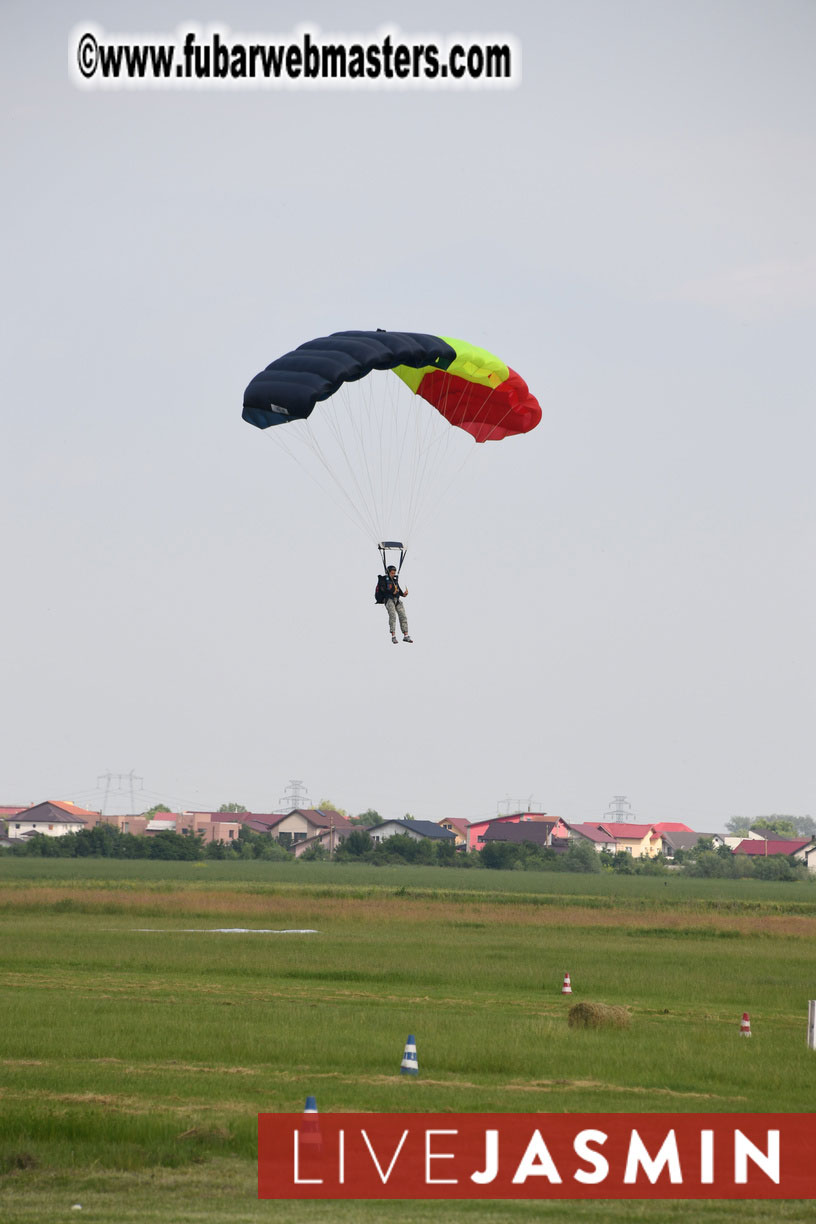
(768,846)
(478,828)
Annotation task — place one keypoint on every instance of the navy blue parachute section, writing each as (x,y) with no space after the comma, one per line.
(290,387)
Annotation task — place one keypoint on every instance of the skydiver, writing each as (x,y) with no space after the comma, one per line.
(394,605)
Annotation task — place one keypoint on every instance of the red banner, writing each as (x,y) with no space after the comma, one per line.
(536,1156)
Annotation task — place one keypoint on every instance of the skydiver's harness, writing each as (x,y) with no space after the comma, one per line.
(384,589)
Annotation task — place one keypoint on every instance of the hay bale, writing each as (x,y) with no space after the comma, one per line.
(598,1015)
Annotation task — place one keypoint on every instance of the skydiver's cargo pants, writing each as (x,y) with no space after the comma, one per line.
(396,608)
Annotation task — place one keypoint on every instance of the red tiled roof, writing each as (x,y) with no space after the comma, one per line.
(752,846)
(261,825)
(512,817)
(71,808)
(595,832)
(672,826)
(323,817)
(457,823)
(619,829)
(266,819)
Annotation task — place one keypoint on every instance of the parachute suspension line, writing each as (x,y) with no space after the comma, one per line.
(392,458)
(293,448)
(442,444)
(421,455)
(425,441)
(404,420)
(308,437)
(387,465)
(356,427)
(383,480)
(359,504)
(386,546)
(349,428)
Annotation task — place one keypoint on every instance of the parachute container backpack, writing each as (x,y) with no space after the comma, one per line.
(384,420)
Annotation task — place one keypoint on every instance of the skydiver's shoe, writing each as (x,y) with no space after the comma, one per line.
(407,639)
(394,638)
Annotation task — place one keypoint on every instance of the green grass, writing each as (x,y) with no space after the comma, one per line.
(364,879)
(134,1062)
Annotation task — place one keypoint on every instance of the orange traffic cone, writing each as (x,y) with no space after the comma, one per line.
(745,1027)
(566,988)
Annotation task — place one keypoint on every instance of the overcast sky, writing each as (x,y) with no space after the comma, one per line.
(619,603)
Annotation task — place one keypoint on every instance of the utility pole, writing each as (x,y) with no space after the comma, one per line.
(295,796)
(620,809)
(506,807)
(120,779)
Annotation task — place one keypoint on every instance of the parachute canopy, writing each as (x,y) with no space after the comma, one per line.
(467,385)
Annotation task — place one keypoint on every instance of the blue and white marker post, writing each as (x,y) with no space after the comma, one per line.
(410,1065)
(312,1139)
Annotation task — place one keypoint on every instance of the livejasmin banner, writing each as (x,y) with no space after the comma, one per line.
(536,1156)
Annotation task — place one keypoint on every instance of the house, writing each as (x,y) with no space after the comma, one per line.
(54,818)
(124,824)
(288,828)
(765,846)
(302,823)
(163,822)
(673,841)
(639,840)
(419,830)
(221,830)
(477,828)
(733,840)
(220,827)
(329,839)
(9,809)
(565,832)
(807,855)
(539,832)
(208,826)
(457,827)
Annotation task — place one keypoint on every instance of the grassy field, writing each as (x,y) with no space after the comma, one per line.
(139,1043)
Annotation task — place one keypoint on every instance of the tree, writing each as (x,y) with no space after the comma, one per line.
(159,807)
(582,856)
(711,864)
(782,825)
(315,854)
(498,856)
(369,817)
(777,867)
(168,845)
(425,851)
(445,852)
(400,849)
(232,807)
(326,805)
(623,862)
(356,845)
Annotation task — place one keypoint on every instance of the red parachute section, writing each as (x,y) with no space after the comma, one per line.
(487,413)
